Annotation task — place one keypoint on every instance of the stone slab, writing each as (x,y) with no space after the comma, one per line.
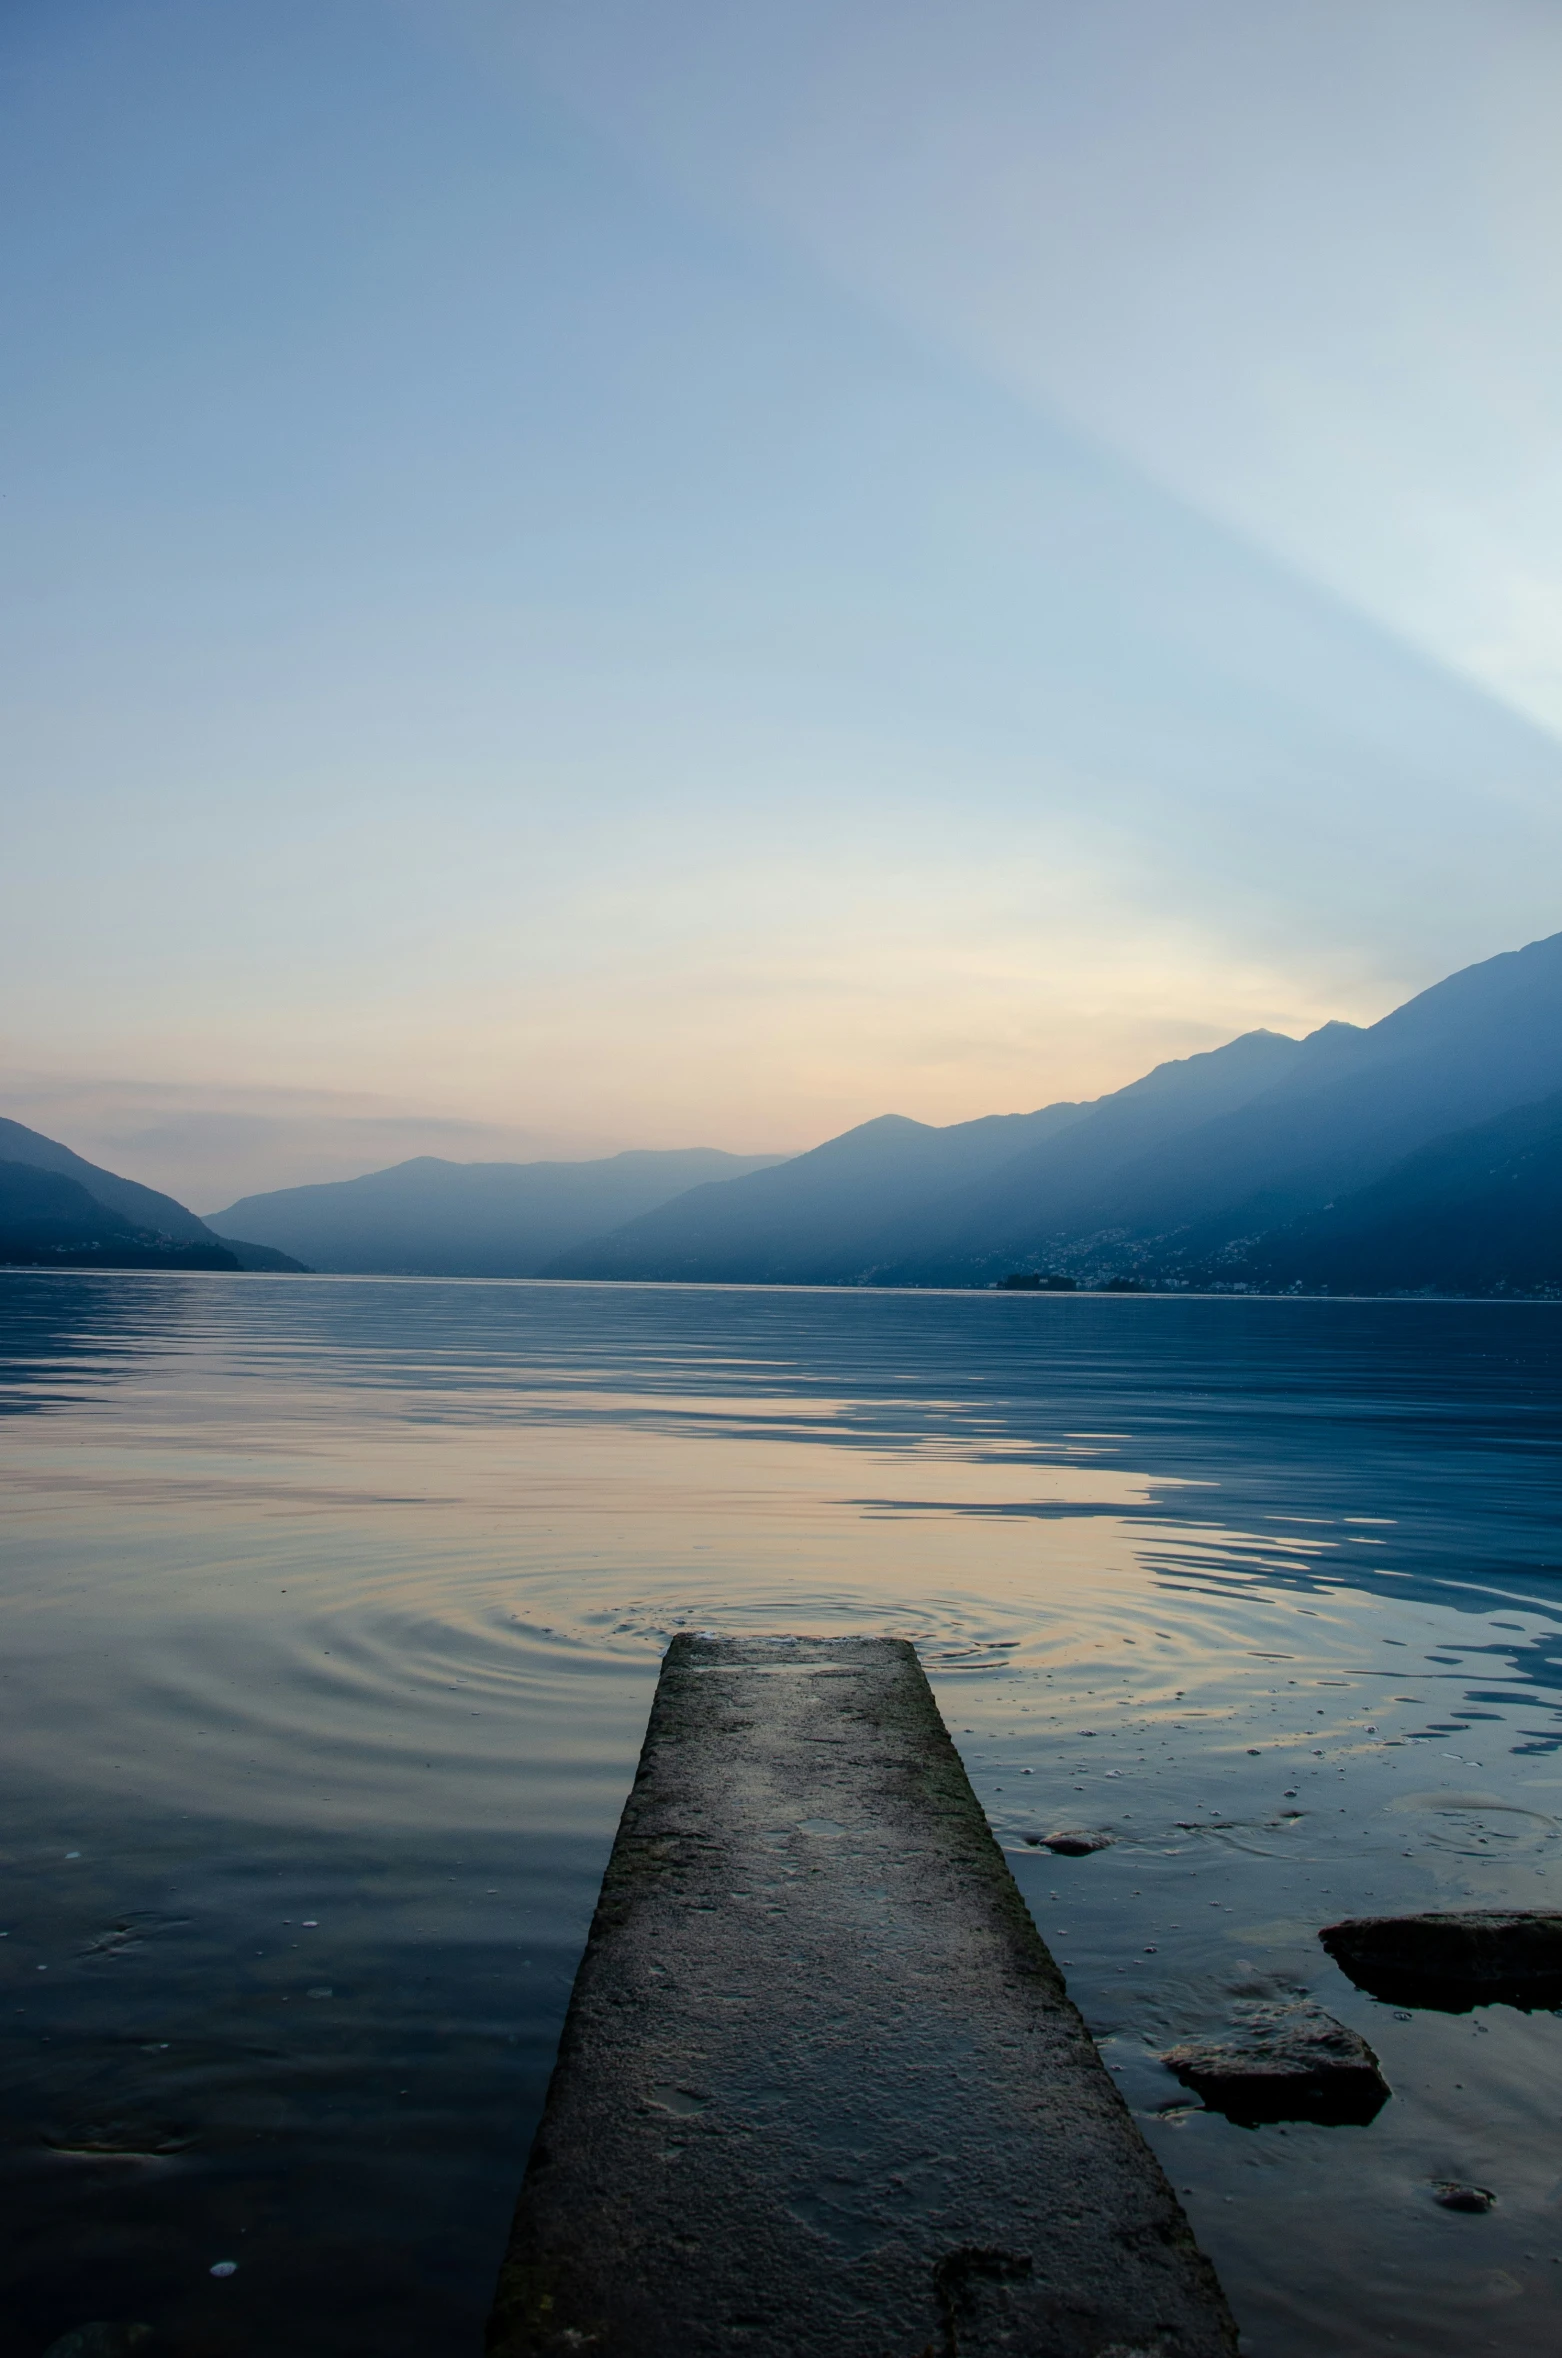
(1284,2063)
(1455,1958)
(821,2092)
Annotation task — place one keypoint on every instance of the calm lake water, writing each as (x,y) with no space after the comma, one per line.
(330,1615)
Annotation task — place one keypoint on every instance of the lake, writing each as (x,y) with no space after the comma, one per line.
(330,1614)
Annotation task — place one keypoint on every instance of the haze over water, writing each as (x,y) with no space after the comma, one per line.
(329,1619)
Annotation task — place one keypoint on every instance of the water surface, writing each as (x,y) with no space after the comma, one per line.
(330,1613)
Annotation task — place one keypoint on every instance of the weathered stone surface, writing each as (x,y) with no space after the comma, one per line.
(1453,1960)
(1072,1842)
(821,2093)
(1284,2063)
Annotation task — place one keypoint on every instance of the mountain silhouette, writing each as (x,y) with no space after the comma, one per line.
(433,1218)
(1179,1173)
(1422,1152)
(820,1218)
(49,1221)
(56,1207)
(1479,1212)
(877,1204)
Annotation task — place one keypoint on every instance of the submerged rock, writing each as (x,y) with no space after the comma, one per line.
(1453,1961)
(1455,2196)
(118,2140)
(1284,2063)
(101,2339)
(1071,1842)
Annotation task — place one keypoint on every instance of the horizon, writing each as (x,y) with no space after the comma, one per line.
(58,1094)
(338,1141)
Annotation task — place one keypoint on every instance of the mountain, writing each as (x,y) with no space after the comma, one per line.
(1479,1212)
(143,1207)
(819,1218)
(111,1222)
(429,1217)
(1044,1204)
(1336,1114)
(49,1221)
(1182,1170)
(1481,1043)
(862,1208)
(1420,1152)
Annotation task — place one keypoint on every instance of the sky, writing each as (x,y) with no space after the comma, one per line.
(579,576)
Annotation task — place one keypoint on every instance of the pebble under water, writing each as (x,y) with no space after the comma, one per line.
(330,1612)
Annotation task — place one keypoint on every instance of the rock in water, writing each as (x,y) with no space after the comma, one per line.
(1072,1842)
(1454,2196)
(102,2339)
(1470,1957)
(1284,2063)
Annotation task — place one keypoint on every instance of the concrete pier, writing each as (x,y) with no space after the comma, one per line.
(821,2093)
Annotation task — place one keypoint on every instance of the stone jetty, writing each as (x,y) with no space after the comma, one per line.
(821,2091)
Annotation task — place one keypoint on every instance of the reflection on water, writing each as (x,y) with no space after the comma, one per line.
(331,1611)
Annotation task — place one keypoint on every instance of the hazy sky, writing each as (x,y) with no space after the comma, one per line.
(579,574)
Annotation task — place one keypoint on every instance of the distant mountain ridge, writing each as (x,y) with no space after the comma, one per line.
(819,1218)
(1479,1212)
(1478,1044)
(893,1202)
(49,1221)
(1174,1179)
(432,1218)
(1420,1153)
(143,1207)
(58,1210)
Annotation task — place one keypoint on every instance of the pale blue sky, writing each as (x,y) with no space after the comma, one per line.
(568,587)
